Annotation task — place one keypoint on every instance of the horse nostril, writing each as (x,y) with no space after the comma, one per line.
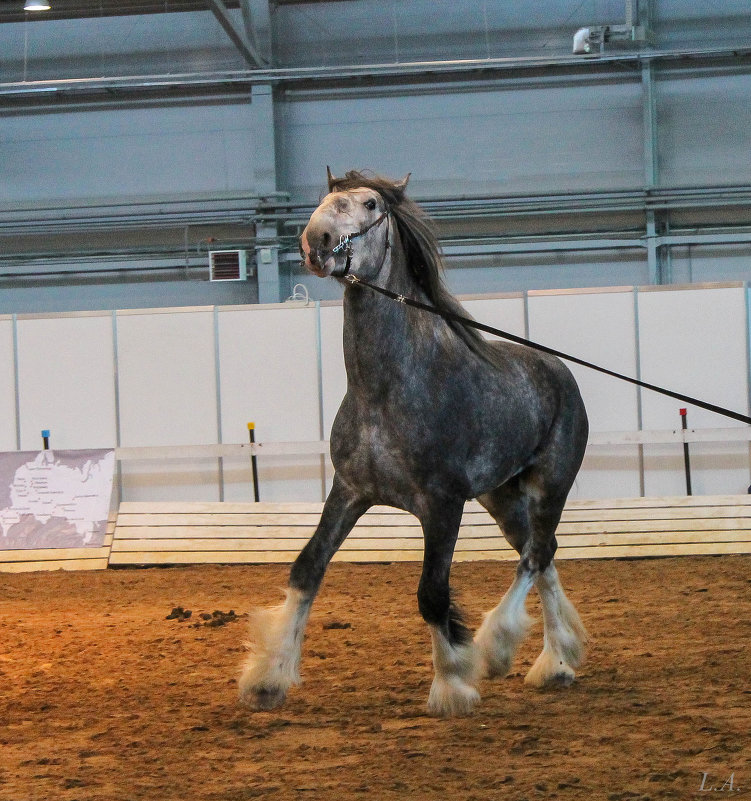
(326,239)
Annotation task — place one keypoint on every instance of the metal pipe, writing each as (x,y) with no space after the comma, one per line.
(686,457)
(253,460)
(631,13)
(241,79)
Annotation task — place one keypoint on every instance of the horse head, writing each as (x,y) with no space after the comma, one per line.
(350,229)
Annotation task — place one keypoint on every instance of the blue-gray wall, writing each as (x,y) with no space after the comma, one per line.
(628,168)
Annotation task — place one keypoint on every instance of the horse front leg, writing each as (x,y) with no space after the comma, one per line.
(273,664)
(455,662)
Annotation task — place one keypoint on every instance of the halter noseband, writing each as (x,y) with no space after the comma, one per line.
(345,242)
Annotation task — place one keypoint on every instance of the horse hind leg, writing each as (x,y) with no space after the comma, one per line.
(528,518)
(550,480)
(565,636)
(505,627)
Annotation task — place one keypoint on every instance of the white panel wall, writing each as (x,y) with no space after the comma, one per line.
(269,376)
(182,374)
(66,381)
(695,342)
(506,313)
(599,327)
(333,373)
(167,394)
(7,386)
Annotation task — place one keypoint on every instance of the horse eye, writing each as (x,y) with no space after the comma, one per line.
(370,204)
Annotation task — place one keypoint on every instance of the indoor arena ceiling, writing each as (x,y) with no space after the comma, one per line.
(12,10)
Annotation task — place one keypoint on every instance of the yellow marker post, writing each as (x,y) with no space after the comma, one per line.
(253,462)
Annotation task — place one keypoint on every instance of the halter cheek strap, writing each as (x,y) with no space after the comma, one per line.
(345,242)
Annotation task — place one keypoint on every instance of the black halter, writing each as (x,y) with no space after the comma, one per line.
(345,242)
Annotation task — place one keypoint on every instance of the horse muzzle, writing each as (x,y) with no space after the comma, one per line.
(323,264)
(318,260)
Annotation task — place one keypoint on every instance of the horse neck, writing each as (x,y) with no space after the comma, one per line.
(385,337)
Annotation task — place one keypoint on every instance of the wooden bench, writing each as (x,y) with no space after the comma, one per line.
(21,560)
(222,533)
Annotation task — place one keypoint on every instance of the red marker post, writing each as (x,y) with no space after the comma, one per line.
(686,458)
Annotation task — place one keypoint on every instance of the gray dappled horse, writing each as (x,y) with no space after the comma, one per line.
(433,415)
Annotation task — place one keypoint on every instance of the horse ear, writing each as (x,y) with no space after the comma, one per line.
(402,185)
(330,178)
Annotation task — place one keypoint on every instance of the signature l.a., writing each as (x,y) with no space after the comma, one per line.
(728,786)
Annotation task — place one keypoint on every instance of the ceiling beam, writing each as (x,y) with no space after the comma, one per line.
(586,68)
(257,21)
(13,11)
(238,38)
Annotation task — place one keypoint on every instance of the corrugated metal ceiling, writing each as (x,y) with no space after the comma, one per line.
(12,10)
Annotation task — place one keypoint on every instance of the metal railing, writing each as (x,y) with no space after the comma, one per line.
(306,448)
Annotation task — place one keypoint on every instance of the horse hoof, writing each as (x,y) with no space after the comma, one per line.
(495,668)
(263,699)
(545,673)
(452,698)
(562,679)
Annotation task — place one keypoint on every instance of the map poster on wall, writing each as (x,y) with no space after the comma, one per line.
(55,499)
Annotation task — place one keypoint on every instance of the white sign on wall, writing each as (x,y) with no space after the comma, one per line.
(55,499)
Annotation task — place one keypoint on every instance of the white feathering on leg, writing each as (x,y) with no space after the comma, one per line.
(273,664)
(452,693)
(565,635)
(503,629)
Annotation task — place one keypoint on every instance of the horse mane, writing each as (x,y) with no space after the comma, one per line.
(423,254)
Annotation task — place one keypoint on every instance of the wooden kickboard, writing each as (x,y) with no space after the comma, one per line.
(21,560)
(191,533)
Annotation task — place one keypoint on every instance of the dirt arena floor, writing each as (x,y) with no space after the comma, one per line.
(103,697)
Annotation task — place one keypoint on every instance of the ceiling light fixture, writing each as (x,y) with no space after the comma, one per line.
(36,5)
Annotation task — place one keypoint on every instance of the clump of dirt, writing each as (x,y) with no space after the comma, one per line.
(217,618)
(210,619)
(179,614)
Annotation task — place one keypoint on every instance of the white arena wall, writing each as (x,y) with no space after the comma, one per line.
(197,376)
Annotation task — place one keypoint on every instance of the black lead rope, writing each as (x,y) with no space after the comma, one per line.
(448,315)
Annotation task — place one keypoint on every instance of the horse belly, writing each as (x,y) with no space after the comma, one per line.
(399,452)
(397,470)
(489,469)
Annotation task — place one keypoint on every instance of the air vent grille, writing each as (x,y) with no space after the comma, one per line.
(228,265)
